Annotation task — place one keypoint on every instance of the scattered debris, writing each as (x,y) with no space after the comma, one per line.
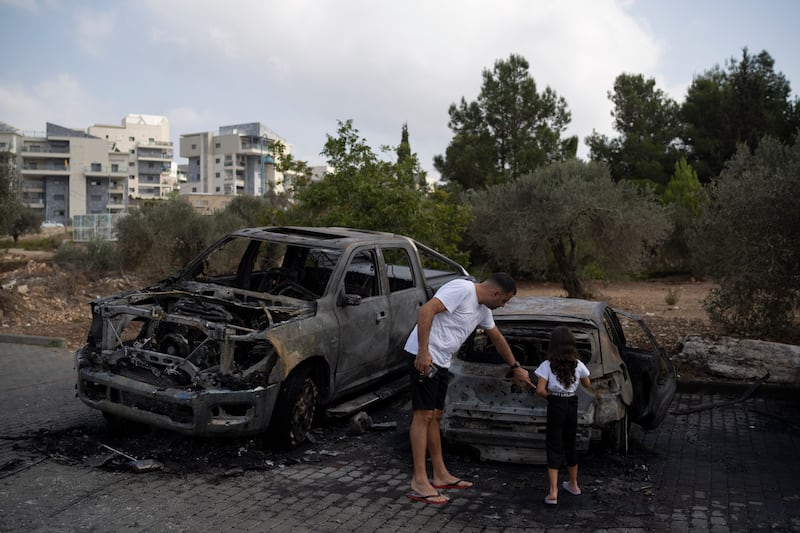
(384,426)
(360,423)
(138,465)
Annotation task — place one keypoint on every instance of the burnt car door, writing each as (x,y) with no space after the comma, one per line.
(362,310)
(651,372)
(406,296)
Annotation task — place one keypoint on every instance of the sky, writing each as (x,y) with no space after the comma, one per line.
(301,66)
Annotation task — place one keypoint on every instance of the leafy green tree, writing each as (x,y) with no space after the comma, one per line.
(298,172)
(684,188)
(747,239)
(364,191)
(572,213)
(408,167)
(741,104)
(11,206)
(509,131)
(683,198)
(648,125)
(27,221)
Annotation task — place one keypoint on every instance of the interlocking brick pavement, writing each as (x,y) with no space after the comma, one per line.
(732,468)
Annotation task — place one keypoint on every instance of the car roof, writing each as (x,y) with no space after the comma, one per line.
(323,236)
(541,306)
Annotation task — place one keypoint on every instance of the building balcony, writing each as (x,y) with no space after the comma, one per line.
(44,171)
(44,151)
(155,144)
(153,157)
(98,170)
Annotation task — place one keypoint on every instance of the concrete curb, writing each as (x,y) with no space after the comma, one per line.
(52,342)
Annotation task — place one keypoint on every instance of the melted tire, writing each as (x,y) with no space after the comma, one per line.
(295,409)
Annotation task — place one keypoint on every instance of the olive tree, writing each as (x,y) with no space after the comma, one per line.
(747,239)
(163,235)
(572,213)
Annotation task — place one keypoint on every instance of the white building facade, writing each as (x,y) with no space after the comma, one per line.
(144,141)
(239,159)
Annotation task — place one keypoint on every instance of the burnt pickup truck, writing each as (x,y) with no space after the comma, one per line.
(258,330)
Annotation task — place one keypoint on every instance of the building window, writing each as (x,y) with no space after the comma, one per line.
(115,168)
(218,145)
(96,197)
(95,167)
(217,161)
(194,147)
(131,164)
(58,197)
(131,138)
(216,175)
(194,189)
(217,188)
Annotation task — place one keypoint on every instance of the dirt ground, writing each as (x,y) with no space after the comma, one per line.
(37,299)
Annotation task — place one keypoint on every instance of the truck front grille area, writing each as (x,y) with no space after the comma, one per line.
(99,392)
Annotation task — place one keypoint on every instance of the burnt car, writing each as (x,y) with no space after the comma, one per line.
(633,379)
(259,329)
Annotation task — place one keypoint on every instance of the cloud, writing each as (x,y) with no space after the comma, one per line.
(94,30)
(33,6)
(60,100)
(385,63)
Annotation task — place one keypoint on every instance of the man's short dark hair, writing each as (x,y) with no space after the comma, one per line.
(504,281)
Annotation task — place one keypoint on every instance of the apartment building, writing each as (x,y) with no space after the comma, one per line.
(238,159)
(9,138)
(66,172)
(143,140)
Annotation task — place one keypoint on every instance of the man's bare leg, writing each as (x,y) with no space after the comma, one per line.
(419,433)
(441,476)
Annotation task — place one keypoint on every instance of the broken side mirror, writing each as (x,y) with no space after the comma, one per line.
(349,299)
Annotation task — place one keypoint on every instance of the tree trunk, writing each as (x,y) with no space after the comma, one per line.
(568,266)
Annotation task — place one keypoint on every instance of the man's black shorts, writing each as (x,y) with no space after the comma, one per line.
(427,393)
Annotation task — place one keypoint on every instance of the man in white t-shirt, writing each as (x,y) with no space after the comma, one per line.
(444,323)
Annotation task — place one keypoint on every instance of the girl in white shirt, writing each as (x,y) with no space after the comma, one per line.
(558,382)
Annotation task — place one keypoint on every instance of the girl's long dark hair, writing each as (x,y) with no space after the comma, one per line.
(563,355)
